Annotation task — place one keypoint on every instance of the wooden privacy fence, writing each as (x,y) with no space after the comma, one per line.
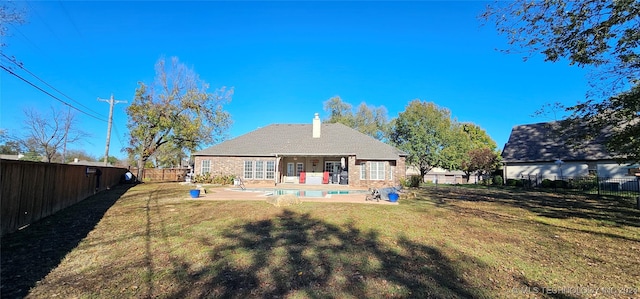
(34,190)
(162,174)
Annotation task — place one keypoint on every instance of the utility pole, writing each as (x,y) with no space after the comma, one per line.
(111,102)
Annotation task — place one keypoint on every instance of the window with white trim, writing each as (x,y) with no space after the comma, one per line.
(205,166)
(363,170)
(248,169)
(259,170)
(376,172)
(271,170)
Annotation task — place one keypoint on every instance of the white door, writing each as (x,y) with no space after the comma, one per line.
(291,169)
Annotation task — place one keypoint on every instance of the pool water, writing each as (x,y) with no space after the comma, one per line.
(304,193)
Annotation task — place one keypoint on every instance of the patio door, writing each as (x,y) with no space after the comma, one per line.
(291,170)
(299,168)
(332,166)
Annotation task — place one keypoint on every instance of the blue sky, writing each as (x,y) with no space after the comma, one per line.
(283,59)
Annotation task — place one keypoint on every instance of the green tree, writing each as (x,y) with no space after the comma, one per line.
(601,34)
(79,154)
(168,156)
(480,151)
(339,111)
(176,108)
(11,147)
(480,161)
(32,156)
(428,135)
(369,120)
(618,119)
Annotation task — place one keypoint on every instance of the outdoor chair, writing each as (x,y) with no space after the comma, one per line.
(374,194)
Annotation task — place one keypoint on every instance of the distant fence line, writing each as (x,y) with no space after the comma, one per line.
(622,186)
(33,190)
(162,174)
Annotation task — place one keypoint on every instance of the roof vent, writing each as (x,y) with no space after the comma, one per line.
(316,126)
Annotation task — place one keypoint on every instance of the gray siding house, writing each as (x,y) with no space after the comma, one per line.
(313,153)
(545,150)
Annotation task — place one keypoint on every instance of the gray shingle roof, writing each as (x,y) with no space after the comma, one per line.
(296,139)
(551,141)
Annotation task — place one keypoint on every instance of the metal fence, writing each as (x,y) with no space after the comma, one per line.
(623,186)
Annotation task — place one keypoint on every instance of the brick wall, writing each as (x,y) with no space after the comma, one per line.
(226,165)
(391,179)
(235,165)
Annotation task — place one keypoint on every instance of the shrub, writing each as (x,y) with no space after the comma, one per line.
(561,184)
(497,180)
(584,183)
(519,183)
(404,182)
(546,183)
(511,182)
(415,180)
(219,179)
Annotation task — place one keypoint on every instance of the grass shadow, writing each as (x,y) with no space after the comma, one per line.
(613,210)
(30,254)
(297,255)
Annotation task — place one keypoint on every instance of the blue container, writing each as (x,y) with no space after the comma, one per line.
(195,193)
(393,197)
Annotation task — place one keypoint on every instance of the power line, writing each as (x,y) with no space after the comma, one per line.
(51,86)
(115,127)
(49,94)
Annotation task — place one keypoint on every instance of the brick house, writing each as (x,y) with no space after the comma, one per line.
(305,154)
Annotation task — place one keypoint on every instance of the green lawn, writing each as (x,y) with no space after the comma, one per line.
(453,242)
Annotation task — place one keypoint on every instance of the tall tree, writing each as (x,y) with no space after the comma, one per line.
(369,120)
(176,108)
(9,146)
(51,133)
(480,161)
(600,34)
(480,151)
(339,111)
(168,156)
(429,136)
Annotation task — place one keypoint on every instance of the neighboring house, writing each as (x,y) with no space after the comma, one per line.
(544,150)
(89,163)
(19,157)
(443,176)
(305,154)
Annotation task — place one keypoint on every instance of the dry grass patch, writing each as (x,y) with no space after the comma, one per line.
(148,241)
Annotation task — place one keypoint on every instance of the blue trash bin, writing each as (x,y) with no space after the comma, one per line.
(393,197)
(195,193)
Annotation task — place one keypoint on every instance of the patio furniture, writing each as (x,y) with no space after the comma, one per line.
(374,194)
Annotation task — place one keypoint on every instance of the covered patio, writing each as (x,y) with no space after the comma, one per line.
(312,170)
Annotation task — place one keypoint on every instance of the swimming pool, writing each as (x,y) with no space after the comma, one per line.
(303,193)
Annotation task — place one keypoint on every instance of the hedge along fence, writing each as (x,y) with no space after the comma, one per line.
(34,190)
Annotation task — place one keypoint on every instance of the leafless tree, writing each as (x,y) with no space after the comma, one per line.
(52,132)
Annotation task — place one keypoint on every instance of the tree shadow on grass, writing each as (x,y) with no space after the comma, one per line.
(612,210)
(30,254)
(295,254)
